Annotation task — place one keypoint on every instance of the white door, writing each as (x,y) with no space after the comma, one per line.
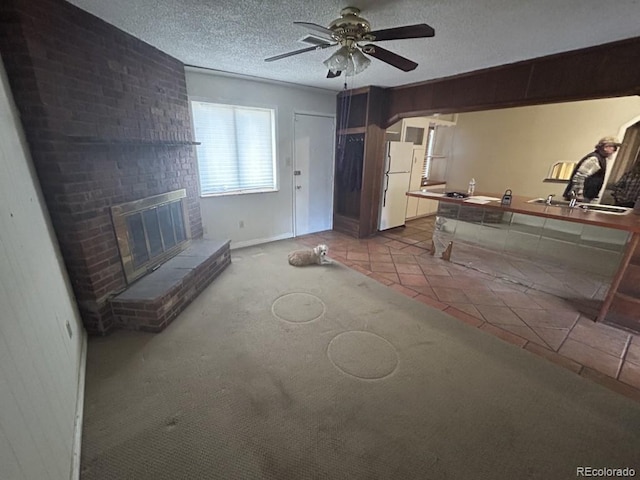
(313,161)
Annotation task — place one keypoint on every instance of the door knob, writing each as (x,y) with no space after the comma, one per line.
(298,187)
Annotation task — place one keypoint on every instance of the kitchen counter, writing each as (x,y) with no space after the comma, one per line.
(629,222)
(621,306)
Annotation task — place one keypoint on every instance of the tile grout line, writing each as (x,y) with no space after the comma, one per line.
(568,334)
(623,358)
(531,328)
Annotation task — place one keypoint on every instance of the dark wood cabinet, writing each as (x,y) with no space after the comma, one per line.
(359,161)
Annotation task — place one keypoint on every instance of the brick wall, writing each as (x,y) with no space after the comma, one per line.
(107,120)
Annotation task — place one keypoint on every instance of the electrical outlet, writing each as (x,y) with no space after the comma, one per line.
(69,331)
(241,224)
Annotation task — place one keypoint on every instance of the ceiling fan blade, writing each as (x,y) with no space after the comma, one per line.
(316,27)
(391,58)
(330,74)
(296,52)
(419,30)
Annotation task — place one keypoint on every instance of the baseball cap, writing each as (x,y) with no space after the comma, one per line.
(609,141)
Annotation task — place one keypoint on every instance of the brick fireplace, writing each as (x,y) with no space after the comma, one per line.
(107,121)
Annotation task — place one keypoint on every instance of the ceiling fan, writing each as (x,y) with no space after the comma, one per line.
(352,32)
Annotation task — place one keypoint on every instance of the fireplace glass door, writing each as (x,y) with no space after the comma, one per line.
(150,231)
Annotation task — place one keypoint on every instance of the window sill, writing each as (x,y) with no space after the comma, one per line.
(235,193)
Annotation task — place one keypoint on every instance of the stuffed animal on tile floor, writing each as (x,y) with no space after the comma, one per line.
(314,256)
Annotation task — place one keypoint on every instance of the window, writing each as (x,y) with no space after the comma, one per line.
(237,151)
(431,142)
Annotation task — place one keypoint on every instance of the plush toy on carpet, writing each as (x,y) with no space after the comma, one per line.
(315,256)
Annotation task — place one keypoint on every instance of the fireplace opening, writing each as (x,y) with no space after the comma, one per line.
(150,231)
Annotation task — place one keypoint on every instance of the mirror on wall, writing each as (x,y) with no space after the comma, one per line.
(533,149)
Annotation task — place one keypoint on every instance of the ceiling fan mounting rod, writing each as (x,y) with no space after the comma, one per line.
(349,11)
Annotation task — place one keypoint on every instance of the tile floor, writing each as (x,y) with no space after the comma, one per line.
(542,308)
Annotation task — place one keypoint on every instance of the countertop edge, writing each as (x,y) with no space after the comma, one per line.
(629,222)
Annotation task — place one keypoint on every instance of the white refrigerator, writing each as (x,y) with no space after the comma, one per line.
(395,184)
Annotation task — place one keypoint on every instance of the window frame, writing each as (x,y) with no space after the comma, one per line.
(274,135)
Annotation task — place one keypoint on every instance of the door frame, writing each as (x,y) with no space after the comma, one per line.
(293,164)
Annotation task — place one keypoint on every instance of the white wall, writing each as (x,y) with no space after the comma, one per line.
(39,363)
(516,147)
(265,216)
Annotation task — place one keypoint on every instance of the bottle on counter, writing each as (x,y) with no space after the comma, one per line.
(472,186)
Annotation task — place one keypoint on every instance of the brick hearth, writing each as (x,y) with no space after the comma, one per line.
(156,300)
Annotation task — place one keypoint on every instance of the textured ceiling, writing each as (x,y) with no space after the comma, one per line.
(235,36)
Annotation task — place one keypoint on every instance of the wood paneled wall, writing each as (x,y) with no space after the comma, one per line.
(609,70)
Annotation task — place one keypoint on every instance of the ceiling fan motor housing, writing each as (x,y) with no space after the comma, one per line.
(350,28)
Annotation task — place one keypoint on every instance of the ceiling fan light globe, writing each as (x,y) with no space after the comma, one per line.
(360,62)
(350,70)
(339,61)
(334,65)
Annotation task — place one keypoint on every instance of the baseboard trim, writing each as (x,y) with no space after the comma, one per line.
(77,428)
(258,241)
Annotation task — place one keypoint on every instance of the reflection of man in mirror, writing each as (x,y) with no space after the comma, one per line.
(587,177)
(627,190)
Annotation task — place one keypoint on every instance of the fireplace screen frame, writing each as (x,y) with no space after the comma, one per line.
(123,215)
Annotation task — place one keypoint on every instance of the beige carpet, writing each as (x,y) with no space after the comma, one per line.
(277,372)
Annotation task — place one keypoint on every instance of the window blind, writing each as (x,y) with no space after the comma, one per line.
(237,148)
(431,140)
